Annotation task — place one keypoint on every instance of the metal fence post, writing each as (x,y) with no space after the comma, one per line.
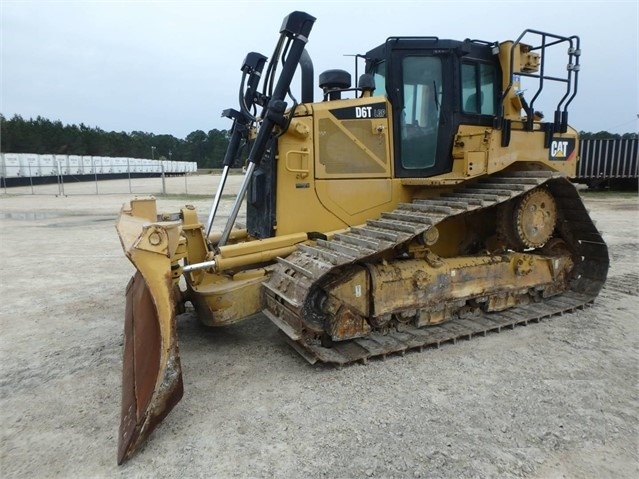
(128,169)
(163,179)
(95,172)
(4,176)
(57,162)
(30,176)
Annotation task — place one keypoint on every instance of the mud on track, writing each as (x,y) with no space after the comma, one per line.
(555,399)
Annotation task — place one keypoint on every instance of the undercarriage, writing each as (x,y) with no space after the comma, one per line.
(381,288)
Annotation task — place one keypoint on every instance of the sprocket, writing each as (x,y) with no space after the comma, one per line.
(530,221)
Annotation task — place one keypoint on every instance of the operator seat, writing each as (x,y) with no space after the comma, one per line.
(471,103)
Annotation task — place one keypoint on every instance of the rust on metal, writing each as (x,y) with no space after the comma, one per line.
(467,295)
(150,389)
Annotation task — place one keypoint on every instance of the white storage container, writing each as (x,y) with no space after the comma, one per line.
(11,166)
(147,166)
(75,165)
(133,164)
(119,165)
(62,164)
(107,165)
(48,166)
(87,165)
(30,164)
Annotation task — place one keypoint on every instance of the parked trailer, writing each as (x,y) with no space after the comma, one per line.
(608,163)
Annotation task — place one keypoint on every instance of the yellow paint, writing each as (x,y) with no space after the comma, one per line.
(331,174)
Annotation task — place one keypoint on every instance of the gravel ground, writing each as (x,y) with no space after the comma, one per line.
(555,399)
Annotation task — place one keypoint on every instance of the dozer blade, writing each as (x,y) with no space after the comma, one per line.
(151,375)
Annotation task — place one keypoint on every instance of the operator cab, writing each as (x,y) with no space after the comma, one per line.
(434,86)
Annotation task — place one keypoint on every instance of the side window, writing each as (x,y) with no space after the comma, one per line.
(478,88)
(422,78)
(379,75)
(380,84)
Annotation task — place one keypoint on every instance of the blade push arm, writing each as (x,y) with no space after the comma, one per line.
(295,29)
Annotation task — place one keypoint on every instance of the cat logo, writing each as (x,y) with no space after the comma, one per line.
(562,149)
(558,149)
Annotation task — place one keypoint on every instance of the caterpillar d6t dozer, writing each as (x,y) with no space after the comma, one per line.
(427,203)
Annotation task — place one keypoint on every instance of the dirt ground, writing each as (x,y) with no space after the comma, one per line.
(557,399)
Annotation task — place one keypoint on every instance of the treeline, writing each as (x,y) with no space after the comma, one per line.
(43,136)
(604,135)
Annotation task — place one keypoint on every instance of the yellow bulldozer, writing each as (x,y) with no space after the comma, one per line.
(427,203)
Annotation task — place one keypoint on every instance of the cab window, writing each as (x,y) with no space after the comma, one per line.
(478,88)
(422,95)
(379,75)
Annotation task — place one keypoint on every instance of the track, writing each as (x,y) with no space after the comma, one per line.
(288,293)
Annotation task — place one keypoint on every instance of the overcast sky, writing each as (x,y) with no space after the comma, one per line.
(173,66)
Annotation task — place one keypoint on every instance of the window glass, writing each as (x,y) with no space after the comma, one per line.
(379,75)
(487,88)
(422,77)
(469,88)
(478,88)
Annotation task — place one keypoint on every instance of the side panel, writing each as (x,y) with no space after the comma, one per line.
(353,165)
(297,206)
(352,139)
(529,147)
(355,201)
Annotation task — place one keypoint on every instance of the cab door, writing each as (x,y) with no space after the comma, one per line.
(423,107)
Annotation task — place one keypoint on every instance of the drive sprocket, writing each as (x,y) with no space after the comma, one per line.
(530,221)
